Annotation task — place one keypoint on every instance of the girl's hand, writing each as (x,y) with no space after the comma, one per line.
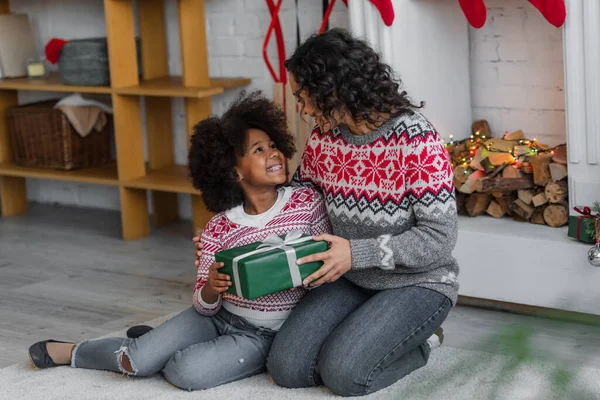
(198,249)
(337,261)
(217,282)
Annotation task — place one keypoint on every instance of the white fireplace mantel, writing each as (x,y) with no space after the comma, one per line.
(428,45)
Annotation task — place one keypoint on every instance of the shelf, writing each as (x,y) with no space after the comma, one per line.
(173,179)
(102,175)
(51,84)
(172,86)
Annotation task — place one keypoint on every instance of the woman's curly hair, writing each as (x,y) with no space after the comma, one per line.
(216,144)
(344,74)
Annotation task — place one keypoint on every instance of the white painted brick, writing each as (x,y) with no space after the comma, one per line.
(484,50)
(484,73)
(226,46)
(221,25)
(249,26)
(525,74)
(238,66)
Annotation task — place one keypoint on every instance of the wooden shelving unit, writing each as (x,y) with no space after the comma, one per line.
(130,173)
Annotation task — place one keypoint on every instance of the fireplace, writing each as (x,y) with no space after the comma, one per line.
(437,56)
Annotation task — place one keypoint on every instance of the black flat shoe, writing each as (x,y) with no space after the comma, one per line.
(138,330)
(38,354)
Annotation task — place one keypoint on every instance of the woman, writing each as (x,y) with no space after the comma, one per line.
(388,279)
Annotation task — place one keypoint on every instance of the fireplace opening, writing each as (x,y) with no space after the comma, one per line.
(513,162)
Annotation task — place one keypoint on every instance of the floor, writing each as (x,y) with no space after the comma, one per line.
(66,274)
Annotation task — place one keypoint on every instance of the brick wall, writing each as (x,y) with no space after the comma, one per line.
(517,77)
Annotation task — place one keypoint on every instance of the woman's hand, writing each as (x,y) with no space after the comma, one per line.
(198,249)
(337,261)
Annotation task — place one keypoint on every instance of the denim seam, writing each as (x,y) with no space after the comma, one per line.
(431,318)
(311,372)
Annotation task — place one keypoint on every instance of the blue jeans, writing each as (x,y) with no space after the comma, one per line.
(192,351)
(356,341)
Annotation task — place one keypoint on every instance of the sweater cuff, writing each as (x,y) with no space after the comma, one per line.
(364,253)
(205,304)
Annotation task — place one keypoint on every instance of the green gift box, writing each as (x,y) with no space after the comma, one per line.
(266,267)
(580,228)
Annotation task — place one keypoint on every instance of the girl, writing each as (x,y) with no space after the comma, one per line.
(239,162)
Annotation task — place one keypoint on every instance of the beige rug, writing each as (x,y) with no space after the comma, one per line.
(452,374)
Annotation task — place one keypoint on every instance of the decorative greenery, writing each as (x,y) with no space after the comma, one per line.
(591,228)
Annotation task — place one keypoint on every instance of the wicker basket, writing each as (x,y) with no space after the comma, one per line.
(42,137)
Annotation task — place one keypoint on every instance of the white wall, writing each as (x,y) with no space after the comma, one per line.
(235,49)
(517,76)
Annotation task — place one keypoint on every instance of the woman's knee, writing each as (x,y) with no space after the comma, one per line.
(341,374)
(290,369)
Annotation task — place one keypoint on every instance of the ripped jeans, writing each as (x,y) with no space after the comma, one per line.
(192,351)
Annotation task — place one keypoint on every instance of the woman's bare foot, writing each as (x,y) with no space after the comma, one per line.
(60,352)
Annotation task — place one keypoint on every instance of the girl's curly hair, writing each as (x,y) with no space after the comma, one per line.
(344,74)
(216,144)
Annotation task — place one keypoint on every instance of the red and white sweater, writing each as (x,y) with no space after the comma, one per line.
(295,209)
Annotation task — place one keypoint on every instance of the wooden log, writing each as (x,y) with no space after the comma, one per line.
(557,171)
(518,218)
(525,195)
(556,215)
(461,173)
(501,144)
(497,159)
(469,186)
(476,161)
(556,192)
(499,184)
(538,216)
(560,154)
(477,203)
(541,171)
(457,184)
(482,127)
(526,167)
(521,150)
(487,166)
(504,203)
(495,210)
(498,194)
(516,135)
(510,171)
(461,199)
(521,209)
(539,199)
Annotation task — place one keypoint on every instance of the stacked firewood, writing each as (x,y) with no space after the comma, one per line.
(510,176)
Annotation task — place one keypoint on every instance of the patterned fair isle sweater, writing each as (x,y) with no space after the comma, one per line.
(295,209)
(390,192)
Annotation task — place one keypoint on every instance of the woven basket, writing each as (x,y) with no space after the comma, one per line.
(42,137)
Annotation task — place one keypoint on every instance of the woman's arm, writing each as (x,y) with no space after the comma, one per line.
(430,190)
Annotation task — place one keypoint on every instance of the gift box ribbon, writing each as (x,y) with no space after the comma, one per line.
(586,212)
(274,242)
